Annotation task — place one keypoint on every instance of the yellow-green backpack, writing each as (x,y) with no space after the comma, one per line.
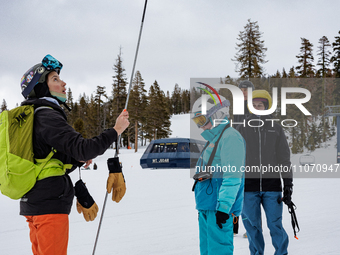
(18,171)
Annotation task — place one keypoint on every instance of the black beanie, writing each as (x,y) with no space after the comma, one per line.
(246,84)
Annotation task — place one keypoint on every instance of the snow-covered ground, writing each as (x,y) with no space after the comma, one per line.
(158,216)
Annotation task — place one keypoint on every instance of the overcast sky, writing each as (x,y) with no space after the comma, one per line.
(181,39)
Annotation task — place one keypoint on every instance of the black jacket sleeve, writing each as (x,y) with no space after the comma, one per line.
(54,131)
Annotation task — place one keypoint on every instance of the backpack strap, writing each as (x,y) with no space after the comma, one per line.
(44,161)
(48,161)
(212,155)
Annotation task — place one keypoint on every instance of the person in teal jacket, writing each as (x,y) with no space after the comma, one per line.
(219,197)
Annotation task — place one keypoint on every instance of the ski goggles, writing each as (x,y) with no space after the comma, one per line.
(202,120)
(51,63)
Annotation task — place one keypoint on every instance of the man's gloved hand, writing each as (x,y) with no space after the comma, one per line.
(116,183)
(287,194)
(85,202)
(89,214)
(221,218)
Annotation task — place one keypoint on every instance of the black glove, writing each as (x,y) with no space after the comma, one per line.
(85,203)
(83,195)
(287,194)
(221,218)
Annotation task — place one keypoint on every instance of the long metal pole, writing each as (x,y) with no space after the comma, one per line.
(134,62)
(126,104)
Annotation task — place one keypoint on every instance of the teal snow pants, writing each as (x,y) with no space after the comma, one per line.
(213,240)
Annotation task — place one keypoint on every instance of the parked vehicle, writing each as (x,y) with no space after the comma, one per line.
(172,153)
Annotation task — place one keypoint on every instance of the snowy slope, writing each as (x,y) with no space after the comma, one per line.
(158,216)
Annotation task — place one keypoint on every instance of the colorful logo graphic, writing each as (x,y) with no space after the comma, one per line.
(208,92)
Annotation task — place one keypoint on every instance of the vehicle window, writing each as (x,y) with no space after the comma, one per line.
(170,147)
(183,147)
(194,147)
(157,148)
(149,148)
(200,146)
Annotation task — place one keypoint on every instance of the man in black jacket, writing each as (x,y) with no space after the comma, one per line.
(267,159)
(47,205)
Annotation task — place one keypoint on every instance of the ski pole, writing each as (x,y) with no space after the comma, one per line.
(126,105)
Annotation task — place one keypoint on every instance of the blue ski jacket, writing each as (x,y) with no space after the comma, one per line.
(224,191)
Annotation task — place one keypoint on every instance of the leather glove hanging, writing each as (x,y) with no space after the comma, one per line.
(115,181)
(85,202)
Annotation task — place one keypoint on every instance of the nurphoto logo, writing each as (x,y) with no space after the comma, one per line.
(238,103)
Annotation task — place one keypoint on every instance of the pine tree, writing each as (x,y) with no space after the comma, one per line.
(315,132)
(82,113)
(82,105)
(69,102)
(119,87)
(78,126)
(228,80)
(151,117)
(92,123)
(305,59)
(176,100)
(106,113)
(336,68)
(291,73)
(118,94)
(311,144)
(324,60)
(158,116)
(3,106)
(75,112)
(136,108)
(185,101)
(324,129)
(251,51)
(297,134)
(99,103)
(143,118)
(277,75)
(169,103)
(336,56)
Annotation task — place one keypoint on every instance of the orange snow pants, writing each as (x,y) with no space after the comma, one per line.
(49,233)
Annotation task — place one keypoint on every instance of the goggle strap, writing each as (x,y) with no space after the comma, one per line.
(31,85)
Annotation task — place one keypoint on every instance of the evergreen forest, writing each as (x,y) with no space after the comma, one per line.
(150,110)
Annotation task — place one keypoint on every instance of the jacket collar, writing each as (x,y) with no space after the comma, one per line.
(210,134)
(43,102)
